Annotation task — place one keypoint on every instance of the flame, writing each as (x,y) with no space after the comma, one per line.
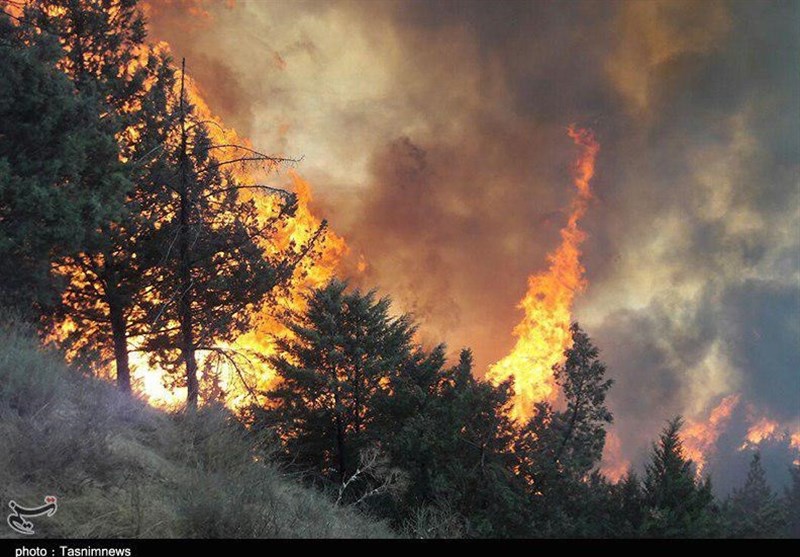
(614,465)
(236,387)
(700,437)
(543,334)
(764,429)
(240,386)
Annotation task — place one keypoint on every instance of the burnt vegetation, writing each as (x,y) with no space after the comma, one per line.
(124,229)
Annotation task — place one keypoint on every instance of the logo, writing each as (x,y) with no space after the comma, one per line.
(19,515)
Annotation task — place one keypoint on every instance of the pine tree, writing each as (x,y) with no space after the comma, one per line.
(216,265)
(106,57)
(175,271)
(753,511)
(331,369)
(451,434)
(59,171)
(629,498)
(584,387)
(676,504)
(478,471)
(102,41)
(557,451)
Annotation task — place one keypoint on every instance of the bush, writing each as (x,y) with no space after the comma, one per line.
(30,378)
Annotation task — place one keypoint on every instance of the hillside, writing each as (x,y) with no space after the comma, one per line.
(122,469)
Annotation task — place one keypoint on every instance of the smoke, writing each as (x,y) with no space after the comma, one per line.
(433,134)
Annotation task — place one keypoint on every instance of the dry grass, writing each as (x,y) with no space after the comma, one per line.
(121,469)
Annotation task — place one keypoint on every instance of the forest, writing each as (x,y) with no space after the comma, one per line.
(133,232)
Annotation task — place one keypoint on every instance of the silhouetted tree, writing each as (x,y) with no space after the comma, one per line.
(753,511)
(216,261)
(558,450)
(628,505)
(106,57)
(791,502)
(332,367)
(59,171)
(452,434)
(676,505)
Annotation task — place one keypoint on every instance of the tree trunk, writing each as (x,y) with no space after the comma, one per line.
(120,335)
(187,346)
(342,461)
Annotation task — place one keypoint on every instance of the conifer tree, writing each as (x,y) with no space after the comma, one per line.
(629,504)
(216,265)
(451,434)
(174,272)
(59,172)
(106,57)
(332,368)
(558,450)
(676,504)
(753,511)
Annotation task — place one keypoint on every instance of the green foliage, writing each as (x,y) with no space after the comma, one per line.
(451,433)
(676,504)
(59,170)
(188,248)
(753,511)
(103,47)
(627,507)
(351,379)
(331,370)
(101,39)
(557,451)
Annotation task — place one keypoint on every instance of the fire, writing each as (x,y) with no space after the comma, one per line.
(240,386)
(700,437)
(614,465)
(266,324)
(764,429)
(237,385)
(543,334)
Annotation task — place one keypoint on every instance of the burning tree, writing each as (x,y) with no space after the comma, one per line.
(183,266)
(105,56)
(559,449)
(216,263)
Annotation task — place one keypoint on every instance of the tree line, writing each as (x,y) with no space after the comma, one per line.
(119,212)
(120,216)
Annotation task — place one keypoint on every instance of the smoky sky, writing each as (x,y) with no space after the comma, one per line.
(433,134)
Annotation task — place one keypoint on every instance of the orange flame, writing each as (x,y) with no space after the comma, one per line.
(614,465)
(236,387)
(543,334)
(239,385)
(700,437)
(764,429)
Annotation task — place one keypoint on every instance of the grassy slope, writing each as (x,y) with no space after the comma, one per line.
(122,469)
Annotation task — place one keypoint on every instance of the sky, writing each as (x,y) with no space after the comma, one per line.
(434,136)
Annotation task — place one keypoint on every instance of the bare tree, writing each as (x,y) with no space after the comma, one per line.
(373,476)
